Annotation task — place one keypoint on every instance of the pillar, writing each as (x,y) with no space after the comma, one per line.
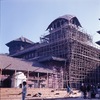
(27,74)
(38,80)
(47,80)
(0,77)
(13,80)
(62,77)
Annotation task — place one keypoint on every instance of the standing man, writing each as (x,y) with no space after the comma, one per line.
(83,90)
(89,91)
(98,89)
(24,90)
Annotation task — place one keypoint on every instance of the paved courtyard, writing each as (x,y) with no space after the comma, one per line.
(64,99)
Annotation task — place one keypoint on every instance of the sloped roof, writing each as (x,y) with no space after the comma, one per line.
(21,39)
(66,17)
(20,64)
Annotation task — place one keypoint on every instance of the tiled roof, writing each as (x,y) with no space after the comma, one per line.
(20,64)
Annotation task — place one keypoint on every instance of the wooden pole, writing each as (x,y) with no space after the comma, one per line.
(0,77)
(47,80)
(38,80)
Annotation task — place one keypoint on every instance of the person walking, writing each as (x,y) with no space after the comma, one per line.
(68,89)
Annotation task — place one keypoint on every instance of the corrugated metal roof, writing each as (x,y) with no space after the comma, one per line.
(20,64)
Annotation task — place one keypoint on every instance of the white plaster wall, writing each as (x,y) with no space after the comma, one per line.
(19,78)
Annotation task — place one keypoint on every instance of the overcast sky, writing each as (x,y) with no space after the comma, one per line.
(30,18)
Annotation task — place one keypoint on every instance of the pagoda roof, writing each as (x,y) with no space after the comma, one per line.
(66,17)
(98,42)
(21,39)
(98,32)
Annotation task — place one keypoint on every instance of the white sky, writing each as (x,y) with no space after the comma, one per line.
(30,18)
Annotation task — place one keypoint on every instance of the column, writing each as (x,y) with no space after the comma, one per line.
(47,81)
(14,80)
(27,75)
(38,81)
(0,77)
(62,77)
